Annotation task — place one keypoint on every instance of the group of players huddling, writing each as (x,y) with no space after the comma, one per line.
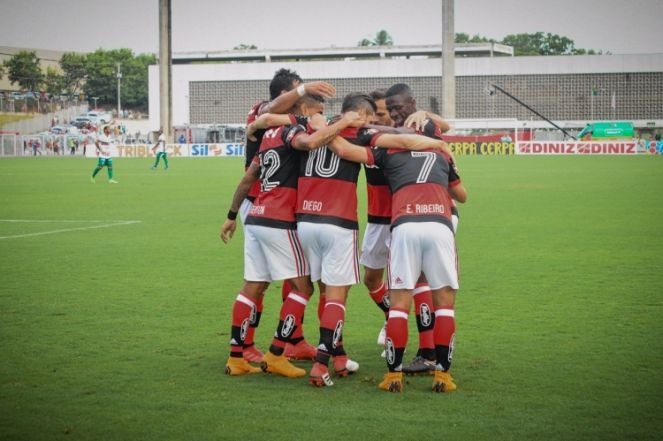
(298,203)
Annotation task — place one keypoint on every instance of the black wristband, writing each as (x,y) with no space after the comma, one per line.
(232,215)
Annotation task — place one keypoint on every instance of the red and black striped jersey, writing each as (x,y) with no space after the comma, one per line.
(431,130)
(252,147)
(419,183)
(327,189)
(279,163)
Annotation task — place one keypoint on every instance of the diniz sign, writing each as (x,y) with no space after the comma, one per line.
(576,148)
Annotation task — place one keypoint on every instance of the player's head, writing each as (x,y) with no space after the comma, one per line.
(309,105)
(381,113)
(360,103)
(400,103)
(283,81)
(106,130)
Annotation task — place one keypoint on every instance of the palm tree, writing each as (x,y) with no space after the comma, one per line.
(382,38)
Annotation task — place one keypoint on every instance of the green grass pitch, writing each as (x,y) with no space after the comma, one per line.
(115,310)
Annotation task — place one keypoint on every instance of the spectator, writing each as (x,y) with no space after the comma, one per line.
(182,139)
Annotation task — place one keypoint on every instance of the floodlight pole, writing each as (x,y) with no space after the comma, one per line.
(532,110)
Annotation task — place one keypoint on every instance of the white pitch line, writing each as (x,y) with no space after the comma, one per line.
(42,233)
(61,220)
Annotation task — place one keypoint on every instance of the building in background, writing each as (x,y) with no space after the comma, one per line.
(218,88)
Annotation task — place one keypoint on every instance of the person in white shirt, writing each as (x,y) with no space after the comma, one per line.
(102,144)
(160,145)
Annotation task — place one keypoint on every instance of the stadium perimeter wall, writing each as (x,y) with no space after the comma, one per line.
(582,88)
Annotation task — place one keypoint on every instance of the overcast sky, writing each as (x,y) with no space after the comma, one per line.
(617,26)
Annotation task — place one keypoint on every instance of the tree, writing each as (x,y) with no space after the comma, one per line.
(382,38)
(73,72)
(244,46)
(476,38)
(23,68)
(540,44)
(101,69)
(54,81)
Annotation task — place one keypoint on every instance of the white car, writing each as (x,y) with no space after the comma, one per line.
(100,116)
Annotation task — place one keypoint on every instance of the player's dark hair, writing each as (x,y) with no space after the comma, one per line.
(283,81)
(357,101)
(399,89)
(378,94)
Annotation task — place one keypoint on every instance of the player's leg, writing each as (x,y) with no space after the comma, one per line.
(374,258)
(165,160)
(251,353)
(404,270)
(443,279)
(445,328)
(109,169)
(284,259)
(396,339)
(243,313)
(97,169)
(331,337)
(424,360)
(290,318)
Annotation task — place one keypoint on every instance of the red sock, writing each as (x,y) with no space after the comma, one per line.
(241,319)
(396,338)
(423,308)
(285,290)
(331,330)
(380,298)
(290,319)
(250,334)
(445,328)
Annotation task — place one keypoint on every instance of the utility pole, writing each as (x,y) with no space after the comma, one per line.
(119,79)
(165,73)
(95,98)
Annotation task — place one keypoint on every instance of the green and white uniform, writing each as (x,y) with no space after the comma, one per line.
(103,145)
(161,152)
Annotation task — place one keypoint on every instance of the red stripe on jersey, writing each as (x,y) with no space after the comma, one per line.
(277,204)
(425,200)
(379,200)
(327,197)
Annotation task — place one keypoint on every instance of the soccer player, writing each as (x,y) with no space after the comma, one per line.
(375,246)
(422,241)
(102,144)
(160,144)
(403,111)
(328,228)
(285,89)
(271,249)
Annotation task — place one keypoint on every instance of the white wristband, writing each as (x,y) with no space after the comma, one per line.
(301,90)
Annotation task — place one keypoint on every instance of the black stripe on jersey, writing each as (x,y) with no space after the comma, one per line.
(272,223)
(379,220)
(332,220)
(300,260)
(423,218)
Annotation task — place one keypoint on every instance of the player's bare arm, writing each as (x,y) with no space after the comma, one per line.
(419,118)
(267,120)
(285,101)
(326,134)
(458,193)
(230,225)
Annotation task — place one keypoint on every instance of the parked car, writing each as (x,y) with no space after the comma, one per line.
(82,121)
(102,117)
(16,95)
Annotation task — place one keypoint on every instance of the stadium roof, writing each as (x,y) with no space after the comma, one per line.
(331,53)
